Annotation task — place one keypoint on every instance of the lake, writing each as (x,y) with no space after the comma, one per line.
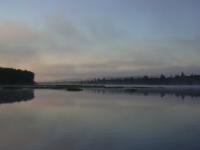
(98,120)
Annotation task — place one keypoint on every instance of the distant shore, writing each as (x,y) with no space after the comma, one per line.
(80,87)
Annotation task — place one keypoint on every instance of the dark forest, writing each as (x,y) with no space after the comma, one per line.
(16,76)
(181,79)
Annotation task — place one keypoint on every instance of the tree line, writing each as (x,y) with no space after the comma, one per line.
(180,79)
(15,76)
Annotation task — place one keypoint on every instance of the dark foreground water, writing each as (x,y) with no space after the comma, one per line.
(61,120)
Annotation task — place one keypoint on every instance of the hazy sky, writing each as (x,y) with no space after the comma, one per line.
(66,39)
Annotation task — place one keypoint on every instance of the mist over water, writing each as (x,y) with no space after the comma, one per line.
(88,120)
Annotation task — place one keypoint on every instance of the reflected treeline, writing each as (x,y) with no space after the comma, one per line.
(146,91)
(16,95)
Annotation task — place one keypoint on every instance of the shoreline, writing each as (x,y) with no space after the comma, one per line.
(86,86)
(179,91)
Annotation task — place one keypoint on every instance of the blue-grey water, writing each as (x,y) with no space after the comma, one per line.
(96,120)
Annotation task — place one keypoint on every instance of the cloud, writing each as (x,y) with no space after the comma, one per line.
(18,43)
(62,48)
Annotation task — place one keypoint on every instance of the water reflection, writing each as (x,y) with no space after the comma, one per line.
(162,92)
(63,120)
(16,95)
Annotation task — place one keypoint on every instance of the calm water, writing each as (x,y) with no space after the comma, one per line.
(88,120)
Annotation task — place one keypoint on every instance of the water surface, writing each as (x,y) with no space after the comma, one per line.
(88,120)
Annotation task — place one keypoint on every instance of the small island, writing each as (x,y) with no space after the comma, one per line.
(10,76)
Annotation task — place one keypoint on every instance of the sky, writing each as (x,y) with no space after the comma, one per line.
(80,39)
